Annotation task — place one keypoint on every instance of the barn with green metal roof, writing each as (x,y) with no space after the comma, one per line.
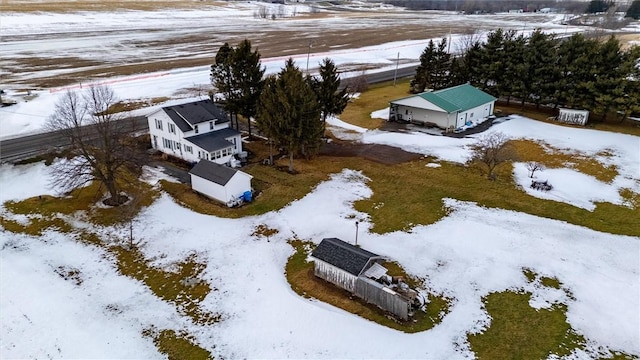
(449,108)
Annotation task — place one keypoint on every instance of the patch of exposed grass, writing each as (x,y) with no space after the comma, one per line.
(299,273)
(178,346)
(555,158)
(135,105)
(518,331)
(426,187)
(173,286)
(377,97)
(551,282)
(36,225)
(389,207)
(85,200)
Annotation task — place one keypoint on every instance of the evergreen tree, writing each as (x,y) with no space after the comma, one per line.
(492,63)
(540,58)
(607,83)
(634,10)
(575,67)
(332,101)
(629,103)
(247,80)
(433,71)
(514,63)
(466,68)
(289,112)
(598,6)
(222,78)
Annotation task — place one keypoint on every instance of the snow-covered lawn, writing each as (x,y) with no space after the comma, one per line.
(473,251)
(468,254)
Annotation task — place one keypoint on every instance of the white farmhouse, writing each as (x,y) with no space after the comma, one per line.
(448,108)
(194,131)
(220,182)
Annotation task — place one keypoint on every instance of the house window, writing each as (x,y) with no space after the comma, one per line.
(177,145)
(406,112)
(188,149)
(158,124)
(196,128)
(166,143)
(235,145)
(172,128)
(210,125)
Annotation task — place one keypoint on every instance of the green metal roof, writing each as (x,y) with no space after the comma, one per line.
(458,98)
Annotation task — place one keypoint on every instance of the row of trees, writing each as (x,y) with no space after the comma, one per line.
(575,72)
(492,6)
(289,108)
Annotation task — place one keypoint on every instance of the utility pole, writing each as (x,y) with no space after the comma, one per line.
(356,233)
(308,53)
(395,74)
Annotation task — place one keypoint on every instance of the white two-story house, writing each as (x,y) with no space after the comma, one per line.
(194,131)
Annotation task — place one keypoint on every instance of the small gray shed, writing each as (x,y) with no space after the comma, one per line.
(360,272)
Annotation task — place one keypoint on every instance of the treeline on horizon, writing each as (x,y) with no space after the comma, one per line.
(492,6)
(540,69)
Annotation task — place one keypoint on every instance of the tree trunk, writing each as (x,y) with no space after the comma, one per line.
(270,152)
(291,161)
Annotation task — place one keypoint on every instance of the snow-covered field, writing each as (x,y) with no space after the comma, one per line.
(470,253)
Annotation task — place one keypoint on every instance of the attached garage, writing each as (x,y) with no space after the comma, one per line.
(449,108)
(219,182)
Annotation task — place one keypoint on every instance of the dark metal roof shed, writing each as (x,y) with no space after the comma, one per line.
(343,255)
(213,172)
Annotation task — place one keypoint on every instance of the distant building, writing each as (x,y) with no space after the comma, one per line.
(448,109)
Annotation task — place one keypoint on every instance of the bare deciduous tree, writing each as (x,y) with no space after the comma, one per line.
(492,150)
(100,149)
(534,166)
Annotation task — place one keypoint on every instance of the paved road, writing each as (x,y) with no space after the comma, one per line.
(25,147)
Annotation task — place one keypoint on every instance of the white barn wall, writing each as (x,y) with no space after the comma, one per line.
(208,188)
(238,184)
(476,114)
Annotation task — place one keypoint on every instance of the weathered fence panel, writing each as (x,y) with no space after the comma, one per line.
(385,298)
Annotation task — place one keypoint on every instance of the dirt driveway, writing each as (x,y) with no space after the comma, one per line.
(383,154)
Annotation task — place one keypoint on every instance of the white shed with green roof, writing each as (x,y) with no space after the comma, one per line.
(449,108)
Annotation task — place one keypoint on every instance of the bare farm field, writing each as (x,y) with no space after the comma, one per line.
(51,44)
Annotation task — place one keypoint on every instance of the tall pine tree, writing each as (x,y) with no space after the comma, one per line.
(433,71)
(222,78)
(332,101)
(289,113)
(247,80)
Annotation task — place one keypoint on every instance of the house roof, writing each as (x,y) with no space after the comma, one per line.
(214,140)
(187,115)
(213,172)
(458,98)
(343,255)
